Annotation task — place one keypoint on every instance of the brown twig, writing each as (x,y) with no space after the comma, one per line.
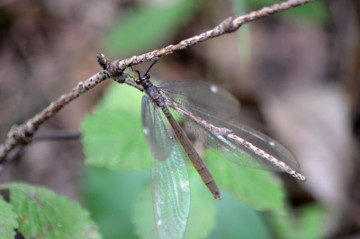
(23,134)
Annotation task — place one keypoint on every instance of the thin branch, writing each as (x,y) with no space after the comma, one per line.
(23,134)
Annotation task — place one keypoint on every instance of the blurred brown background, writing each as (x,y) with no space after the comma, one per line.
(296,76)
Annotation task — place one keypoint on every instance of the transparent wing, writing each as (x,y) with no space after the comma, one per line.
(233,141)
(170,182)
(203,98)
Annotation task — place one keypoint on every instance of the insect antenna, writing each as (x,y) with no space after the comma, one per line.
(156,60)
(145,76)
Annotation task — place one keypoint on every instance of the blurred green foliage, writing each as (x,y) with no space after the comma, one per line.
(113,135)
(147,27)
(260,189)
(7,220)
(110,195)
(307,224)
(237,220)
(39,213)
(120,201)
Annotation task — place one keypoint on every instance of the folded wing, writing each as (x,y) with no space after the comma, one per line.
(210,111)
(170,182)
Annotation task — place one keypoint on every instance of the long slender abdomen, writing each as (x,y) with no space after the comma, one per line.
(194,157)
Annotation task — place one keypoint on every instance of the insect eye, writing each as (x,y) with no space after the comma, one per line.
(138,81)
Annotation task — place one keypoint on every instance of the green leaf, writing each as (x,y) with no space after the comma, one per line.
(237,220)
(112,136)
(109,195)
(202,211)
(148,27)
(8,220)
(142,215)
(202,208)
(42,214)
(309,224)
(312,219)
(315,12)
(260,189)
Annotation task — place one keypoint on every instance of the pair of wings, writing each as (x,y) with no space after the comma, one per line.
(170,182)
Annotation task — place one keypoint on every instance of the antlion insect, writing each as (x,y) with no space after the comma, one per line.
(207,109)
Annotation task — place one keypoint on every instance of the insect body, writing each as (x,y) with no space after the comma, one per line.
(206,108)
